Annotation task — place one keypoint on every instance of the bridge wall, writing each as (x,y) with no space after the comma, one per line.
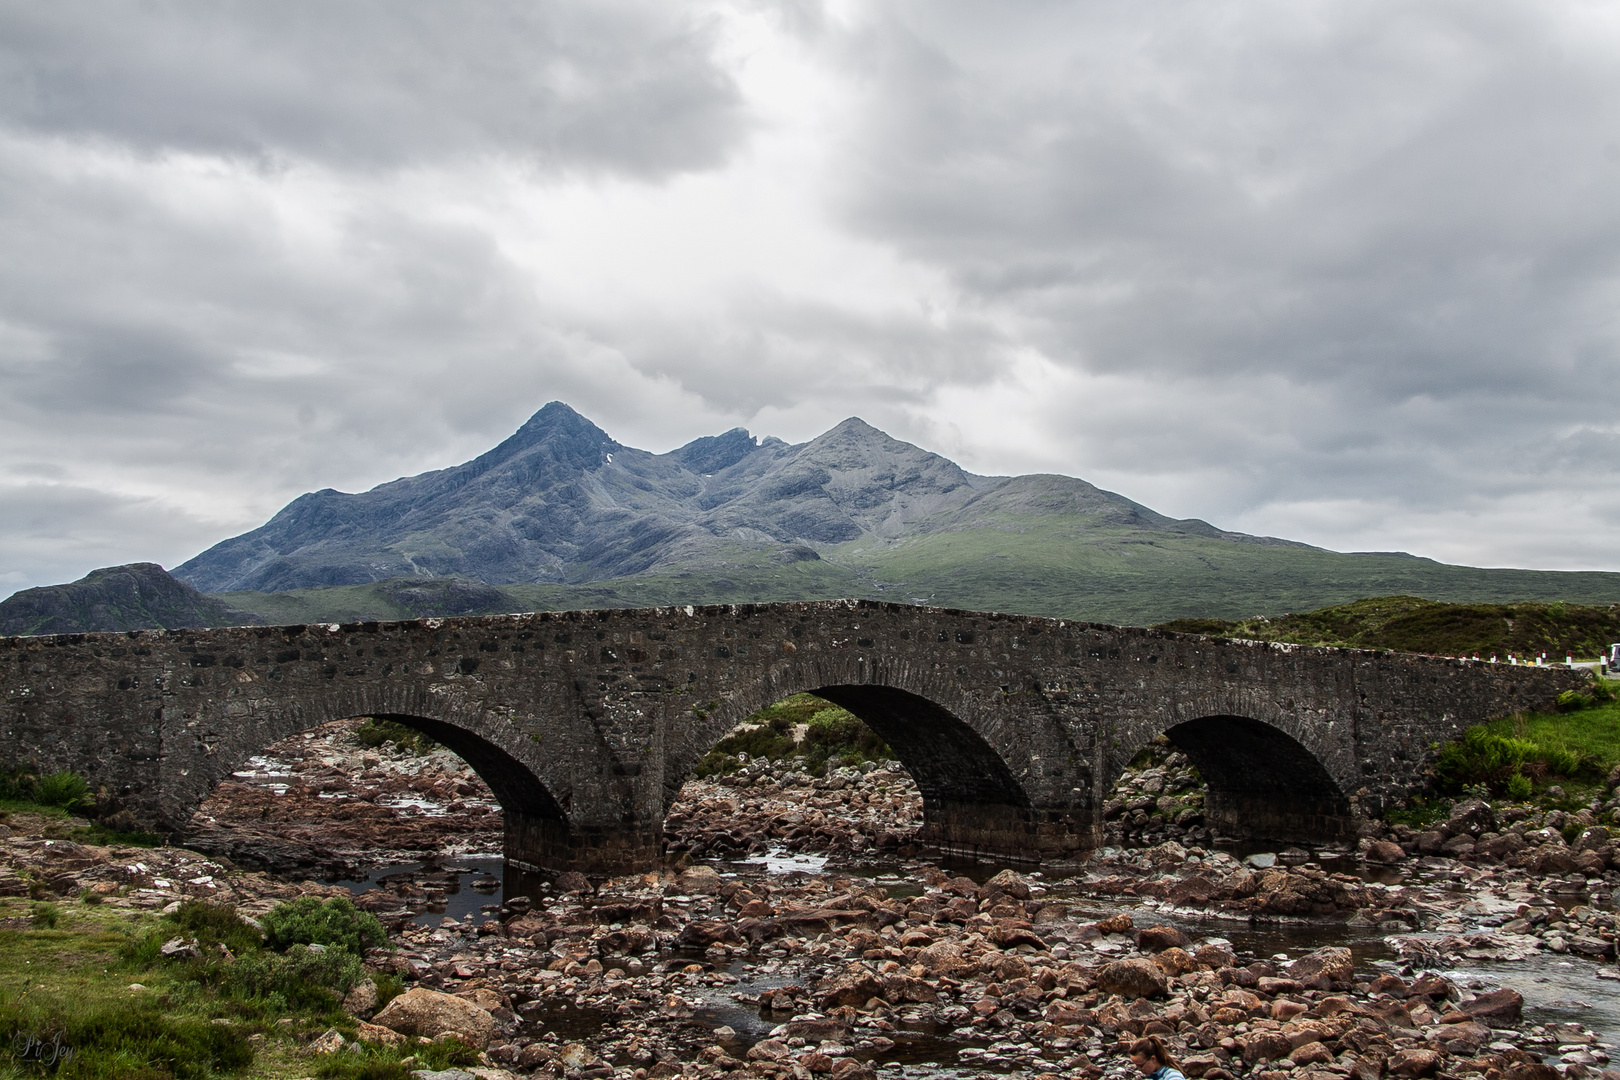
(586,724)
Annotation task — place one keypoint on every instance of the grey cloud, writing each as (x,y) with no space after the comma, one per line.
(1378,235)
(628,86)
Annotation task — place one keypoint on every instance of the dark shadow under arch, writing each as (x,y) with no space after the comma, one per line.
(516,788)
(950,762)
(1262,783)
(972,802)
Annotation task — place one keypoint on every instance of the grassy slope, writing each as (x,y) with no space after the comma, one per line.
(1034,565)
(1411,624)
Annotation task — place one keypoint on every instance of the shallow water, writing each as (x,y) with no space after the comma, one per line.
(457,874)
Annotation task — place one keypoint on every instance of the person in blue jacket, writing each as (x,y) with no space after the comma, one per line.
(1154,1060)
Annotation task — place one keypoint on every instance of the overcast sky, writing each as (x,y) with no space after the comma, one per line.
(1347,273)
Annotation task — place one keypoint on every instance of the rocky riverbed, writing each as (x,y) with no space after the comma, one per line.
(802,932)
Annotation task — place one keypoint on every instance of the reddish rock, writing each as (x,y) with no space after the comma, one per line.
(1330,968)
(1133,978)
(1156,938)
(1384,851)
(1499,1008)
(1414,1062)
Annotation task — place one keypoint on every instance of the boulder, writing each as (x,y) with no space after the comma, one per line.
(1006,883)
(1329,968)
(1312,1053)
(1136,977)
(572,881)
(1470,817)
(1385,851)
(1414,1062)
(361,1001)
(430,1014)
(1458,846)
(1430,842)
(699,881)
(1500,846)
(1499,1008)
(1176,961)
(378,1035)
(1266,1046)
(1158,938)
(1115,924)
(329,1043)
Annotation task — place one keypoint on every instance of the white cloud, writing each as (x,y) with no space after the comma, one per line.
(1339,272)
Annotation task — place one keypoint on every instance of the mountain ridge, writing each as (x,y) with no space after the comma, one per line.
(562,502)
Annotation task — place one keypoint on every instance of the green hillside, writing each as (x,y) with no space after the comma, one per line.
(1035,565)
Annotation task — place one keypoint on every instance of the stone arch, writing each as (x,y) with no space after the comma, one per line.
(534,803)
(972,802)
(1262,782)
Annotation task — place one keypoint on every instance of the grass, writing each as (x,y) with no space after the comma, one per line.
(65,977)
(1517,757)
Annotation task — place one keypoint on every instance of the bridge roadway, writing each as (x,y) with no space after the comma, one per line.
(586,723)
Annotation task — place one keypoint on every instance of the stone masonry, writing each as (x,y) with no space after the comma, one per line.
(585,724)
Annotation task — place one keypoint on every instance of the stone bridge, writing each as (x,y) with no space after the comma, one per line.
(585,724)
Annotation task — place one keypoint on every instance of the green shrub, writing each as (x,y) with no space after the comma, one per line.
(310,921)
(215,924)
(837,736)
(300,978)
(1519,787)
(45,916)
(374,733)
(62,790)
(65,789)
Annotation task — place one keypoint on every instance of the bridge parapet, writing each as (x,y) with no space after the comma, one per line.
(585,724)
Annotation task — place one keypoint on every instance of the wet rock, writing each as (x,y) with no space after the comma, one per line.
(854,986)
(1385,851)
(1499,1008)
(431,1014)
(572,881)
(1156,938)
(1135,977)
(702,933)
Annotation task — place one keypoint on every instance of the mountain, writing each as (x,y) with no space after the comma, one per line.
(561,502)
(139,596)
(561,515)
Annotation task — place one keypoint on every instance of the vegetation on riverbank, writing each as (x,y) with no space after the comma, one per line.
(94,979)
(831,735)
(1412,624)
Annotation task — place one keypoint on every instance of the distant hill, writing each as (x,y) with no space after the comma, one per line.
(562,515)
(1412,624)
(139,596)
